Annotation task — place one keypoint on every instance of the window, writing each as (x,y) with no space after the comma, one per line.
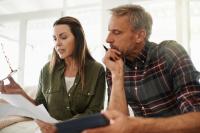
(73,3)
(91,20)
(38,49)
(9,39)
(164,22)
(195,32)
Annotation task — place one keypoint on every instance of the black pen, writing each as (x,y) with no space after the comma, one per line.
(105,47)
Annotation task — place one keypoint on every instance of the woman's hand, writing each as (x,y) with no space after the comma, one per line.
(46,127)
(11,88)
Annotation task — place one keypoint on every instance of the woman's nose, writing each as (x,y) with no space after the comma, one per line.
(58,42)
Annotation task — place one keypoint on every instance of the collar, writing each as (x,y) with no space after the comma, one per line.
(141,58)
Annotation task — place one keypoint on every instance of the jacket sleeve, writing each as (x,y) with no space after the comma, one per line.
(40,99)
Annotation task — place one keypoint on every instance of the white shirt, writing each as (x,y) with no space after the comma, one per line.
(69,81)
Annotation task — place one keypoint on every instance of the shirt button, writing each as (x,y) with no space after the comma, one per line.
(69,95)
(135,68)
(142,108)
(136,88)
(67,107)
(88,93)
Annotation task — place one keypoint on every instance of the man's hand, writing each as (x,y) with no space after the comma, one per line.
(114,62)
(46,127)
(119,123)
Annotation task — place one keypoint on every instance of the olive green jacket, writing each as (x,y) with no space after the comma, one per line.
(77,102)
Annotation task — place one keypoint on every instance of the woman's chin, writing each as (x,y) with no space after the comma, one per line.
(61,56)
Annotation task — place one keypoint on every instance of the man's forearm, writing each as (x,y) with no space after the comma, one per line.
(117,97)
(186,123)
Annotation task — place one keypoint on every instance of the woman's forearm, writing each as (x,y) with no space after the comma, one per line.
(29,98)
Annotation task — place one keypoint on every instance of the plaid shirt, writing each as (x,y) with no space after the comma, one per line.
(161,81)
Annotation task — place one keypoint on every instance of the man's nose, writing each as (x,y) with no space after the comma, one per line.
(109,38)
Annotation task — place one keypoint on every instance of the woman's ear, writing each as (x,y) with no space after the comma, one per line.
(141,35)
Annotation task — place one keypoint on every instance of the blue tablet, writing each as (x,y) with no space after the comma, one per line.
(80,124)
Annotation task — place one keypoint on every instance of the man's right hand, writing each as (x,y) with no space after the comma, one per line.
(11,88)
(114,62)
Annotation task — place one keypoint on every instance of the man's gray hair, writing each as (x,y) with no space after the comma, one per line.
(138,17)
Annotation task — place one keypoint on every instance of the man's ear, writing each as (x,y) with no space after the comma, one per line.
(141,35)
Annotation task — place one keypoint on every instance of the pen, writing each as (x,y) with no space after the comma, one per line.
(105,47)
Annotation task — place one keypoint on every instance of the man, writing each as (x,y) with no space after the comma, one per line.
(159,82)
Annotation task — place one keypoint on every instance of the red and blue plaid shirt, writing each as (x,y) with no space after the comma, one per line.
(162,81)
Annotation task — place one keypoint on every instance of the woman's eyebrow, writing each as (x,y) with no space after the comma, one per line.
(62,33)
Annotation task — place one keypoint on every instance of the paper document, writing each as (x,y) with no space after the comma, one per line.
(18,105)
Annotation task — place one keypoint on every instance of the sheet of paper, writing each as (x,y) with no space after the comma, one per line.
(21,106)
(8,110)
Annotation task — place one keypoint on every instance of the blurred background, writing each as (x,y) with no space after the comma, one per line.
(26,29)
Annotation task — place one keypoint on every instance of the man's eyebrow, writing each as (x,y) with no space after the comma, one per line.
(116,31)
(113,30)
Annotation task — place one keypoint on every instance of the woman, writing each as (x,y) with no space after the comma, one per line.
(72,84)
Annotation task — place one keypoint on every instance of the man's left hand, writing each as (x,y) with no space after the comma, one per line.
(119,123)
